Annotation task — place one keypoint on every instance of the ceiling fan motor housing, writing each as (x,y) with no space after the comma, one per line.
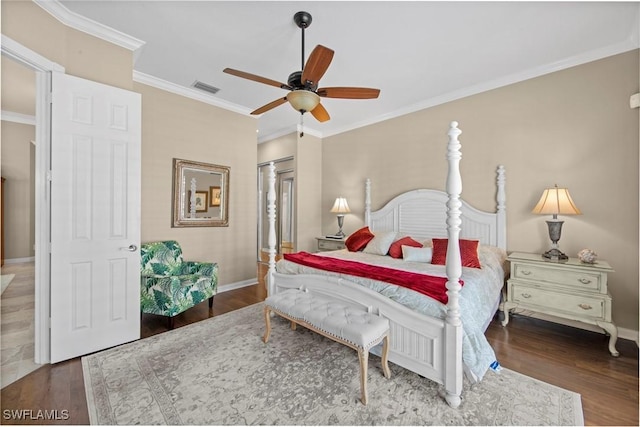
(295,81)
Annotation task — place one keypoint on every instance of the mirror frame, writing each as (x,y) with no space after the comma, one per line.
(179,165)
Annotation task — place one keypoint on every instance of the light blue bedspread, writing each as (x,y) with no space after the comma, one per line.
(479,296)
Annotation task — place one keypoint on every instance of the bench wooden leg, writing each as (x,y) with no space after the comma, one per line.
(267,321)
(293,325)
(363,355)
(385,357)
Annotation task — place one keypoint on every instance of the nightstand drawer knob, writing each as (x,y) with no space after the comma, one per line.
(526,295)
(526,272)
(584,281)
(585,306)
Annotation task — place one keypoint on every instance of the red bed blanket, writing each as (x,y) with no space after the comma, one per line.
(432,286)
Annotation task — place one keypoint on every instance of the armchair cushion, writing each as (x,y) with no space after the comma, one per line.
(169,285)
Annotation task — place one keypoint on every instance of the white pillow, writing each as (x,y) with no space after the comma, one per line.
(380,243)
(410,253)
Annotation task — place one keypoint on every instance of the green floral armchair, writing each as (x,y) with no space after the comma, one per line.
(169,285)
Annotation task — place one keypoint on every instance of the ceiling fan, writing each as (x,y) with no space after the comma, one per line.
(304,94)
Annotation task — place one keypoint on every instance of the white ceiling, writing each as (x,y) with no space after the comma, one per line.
(418,53)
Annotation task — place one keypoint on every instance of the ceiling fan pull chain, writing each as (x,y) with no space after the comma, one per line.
(301,125)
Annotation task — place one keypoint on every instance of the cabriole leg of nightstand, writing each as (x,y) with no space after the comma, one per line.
(507,306)
(612,330)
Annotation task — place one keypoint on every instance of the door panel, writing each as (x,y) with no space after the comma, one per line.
(95,217)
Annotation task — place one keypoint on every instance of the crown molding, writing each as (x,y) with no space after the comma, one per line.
(25,119)
(287,130)
(188,92)
(630,44)
(89,26)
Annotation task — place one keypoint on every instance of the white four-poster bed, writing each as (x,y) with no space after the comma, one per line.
(430,346)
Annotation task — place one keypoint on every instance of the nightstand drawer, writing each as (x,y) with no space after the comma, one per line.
(330,245)
(560,276)
(547,300)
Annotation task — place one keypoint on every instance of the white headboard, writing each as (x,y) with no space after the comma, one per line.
(423,214)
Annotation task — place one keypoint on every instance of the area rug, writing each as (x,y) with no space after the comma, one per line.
(6,280)
(219,372)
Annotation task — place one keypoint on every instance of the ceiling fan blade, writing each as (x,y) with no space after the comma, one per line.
(256,78)
(320,113)
(269,106)
(317,64)
(348,92)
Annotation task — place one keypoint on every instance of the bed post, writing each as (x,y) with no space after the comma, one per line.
(367,202)
(271,215)
(453,328)
(501,210)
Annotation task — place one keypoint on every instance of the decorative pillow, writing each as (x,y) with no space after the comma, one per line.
(468,252)
(381,242)
(395,250)
(359,239)
(412,253)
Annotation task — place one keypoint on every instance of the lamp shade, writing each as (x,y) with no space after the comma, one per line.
(303,100)
(340,206)
(556,201)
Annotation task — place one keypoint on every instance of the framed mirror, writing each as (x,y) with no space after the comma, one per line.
(200,194)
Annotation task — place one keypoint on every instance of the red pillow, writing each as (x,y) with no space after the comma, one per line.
(395,250)
(468,252)
(358,240)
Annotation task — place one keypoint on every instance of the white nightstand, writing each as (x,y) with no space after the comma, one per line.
(329,244)
(570,289)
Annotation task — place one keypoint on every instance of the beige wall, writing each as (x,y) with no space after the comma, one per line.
(573,128)
(173,126)
(177,127)
(17,167)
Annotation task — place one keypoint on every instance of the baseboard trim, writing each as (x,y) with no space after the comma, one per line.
(19,260)
(237,285)
(624,333)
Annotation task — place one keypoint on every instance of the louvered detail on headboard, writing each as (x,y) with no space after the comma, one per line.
(422,214)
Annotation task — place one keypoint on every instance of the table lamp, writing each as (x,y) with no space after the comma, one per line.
(555,201)
(340,207)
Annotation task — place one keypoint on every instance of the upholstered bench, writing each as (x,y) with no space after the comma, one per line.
(353,327)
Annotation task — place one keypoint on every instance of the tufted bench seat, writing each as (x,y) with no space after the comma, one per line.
(347,325)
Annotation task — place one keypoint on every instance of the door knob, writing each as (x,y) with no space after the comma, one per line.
(131,248)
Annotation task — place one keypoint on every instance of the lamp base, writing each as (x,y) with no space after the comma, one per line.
(555,254)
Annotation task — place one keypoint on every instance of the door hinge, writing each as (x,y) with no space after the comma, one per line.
(48,176)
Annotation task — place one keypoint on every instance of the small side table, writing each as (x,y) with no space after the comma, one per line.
(330,244)
(569,289)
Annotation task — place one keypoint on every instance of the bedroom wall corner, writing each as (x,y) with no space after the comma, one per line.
(309,191)
(81,54)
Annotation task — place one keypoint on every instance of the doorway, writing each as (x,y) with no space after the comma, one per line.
(18,199)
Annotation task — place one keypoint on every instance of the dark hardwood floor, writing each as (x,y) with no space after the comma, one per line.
(567,357)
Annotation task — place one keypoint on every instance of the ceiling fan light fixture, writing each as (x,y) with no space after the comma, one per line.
(303,100)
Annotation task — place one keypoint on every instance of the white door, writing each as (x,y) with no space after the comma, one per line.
(95,216)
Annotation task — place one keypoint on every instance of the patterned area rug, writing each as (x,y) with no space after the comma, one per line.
(219,372)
